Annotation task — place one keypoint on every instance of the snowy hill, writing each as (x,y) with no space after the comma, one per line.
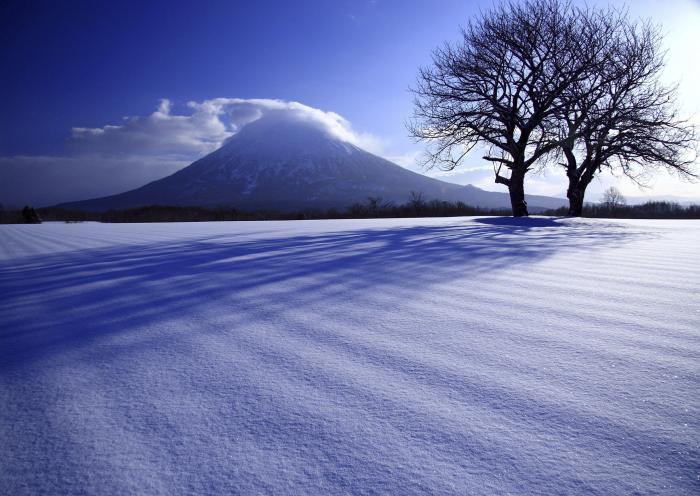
(289,163)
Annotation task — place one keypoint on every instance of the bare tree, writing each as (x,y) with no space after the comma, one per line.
(375,205)
(502,86)
(417,202)
(613,198)
(621,117)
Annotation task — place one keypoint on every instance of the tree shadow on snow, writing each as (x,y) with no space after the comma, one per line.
(63,301)
(521,222)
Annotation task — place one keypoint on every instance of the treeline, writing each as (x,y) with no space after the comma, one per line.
(372,208)
(27,215)
(649,210)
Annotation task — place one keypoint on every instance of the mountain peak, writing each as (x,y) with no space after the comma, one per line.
(284,136)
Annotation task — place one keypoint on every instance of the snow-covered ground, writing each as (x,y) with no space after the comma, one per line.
(413,356)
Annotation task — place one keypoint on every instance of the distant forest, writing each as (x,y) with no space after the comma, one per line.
(372,208)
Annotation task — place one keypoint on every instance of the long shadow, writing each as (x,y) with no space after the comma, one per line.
(521,222)
(65,301)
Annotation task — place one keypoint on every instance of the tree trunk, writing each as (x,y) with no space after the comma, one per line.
(575,195)
(516,188)
(577,188)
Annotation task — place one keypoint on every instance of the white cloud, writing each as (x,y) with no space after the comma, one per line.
(160,133)
(407,160)
(204,128)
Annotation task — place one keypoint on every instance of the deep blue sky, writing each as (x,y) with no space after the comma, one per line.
(66,64)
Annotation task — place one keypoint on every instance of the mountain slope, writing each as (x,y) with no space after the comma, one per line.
(293,164)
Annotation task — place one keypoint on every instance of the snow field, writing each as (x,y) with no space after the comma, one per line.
(404,356)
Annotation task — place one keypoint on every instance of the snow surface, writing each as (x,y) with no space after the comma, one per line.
(442,356)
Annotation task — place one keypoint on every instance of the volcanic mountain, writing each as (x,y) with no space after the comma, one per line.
(292,163)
